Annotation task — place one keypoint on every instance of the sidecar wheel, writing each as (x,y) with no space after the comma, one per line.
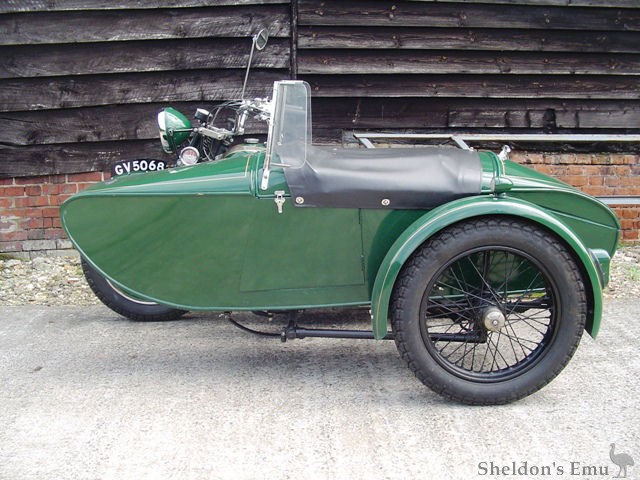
(489,311)
(125,304)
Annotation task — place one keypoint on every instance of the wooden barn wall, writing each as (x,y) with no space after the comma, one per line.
(81,81)
(525,66)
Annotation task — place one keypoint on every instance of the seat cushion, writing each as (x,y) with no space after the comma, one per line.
(398,178)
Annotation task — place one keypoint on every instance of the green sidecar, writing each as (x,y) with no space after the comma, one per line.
(484,272)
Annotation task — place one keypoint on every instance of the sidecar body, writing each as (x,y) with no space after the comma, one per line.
(290,226)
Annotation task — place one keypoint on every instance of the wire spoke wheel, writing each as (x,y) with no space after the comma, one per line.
(489,314)
(489,310)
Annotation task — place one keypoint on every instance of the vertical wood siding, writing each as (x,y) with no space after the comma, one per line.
(526,66)
(81,81)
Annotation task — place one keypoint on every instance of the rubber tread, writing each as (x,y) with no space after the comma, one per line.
(113,299)
(437,250)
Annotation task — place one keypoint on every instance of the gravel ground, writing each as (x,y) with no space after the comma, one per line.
(59,280)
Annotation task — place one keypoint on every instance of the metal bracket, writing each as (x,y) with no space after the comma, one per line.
(279,200)
(292,331)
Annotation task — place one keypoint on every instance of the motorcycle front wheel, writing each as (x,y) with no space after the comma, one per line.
(125,304)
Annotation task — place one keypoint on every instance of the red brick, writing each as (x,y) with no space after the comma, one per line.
(35,223)
(85,177)
(69,188)
(6,202)
(50,212)
(50,189)
(37,201)
(611,181)
(592,170)
(630,181)
(576,170)
(622,170)
(47,222)
(6,181)
(625,191)
(529,158)
(630,235)
(20,202)
(597,191)
(12,236)
(56,222)
(11,191)
(575,180)
(582,159)
(599,159)
(595,180)
(33,212)
(626,224)
(33,190)
(566,159)
(627,213)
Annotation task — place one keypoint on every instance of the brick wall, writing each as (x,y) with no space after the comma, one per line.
(30,226)
(29,220)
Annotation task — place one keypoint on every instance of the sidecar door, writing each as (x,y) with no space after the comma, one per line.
(311,253)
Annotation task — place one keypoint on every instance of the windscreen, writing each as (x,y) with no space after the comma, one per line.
(290,128)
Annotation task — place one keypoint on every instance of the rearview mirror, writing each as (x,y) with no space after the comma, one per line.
(261,38)
(258,43)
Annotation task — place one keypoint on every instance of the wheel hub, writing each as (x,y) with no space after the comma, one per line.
(493,319)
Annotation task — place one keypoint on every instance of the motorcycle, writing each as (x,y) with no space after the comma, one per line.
(484,273)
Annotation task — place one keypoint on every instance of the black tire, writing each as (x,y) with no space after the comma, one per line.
(489,311)
(125,304)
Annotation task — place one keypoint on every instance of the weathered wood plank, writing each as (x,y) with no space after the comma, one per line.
(71,158)
(13,6)
(410,38)
(484,86)
(333,115)
(157,24)
(565,117)
(95,124)
(623,118)
(139,56)
(471,113)
(94,90)
(137,122)
(558,3)
(455,62)
(437,14)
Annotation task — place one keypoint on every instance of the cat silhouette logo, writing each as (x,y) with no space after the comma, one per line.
(621,460)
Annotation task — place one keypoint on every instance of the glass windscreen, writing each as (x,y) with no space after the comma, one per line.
(290,127)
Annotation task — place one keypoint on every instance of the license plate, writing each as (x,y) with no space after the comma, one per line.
(141,165)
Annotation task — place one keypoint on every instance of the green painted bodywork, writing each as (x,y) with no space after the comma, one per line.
(205,237)
(177,128)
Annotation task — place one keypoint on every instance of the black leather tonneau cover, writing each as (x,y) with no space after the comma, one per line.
(384,177)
